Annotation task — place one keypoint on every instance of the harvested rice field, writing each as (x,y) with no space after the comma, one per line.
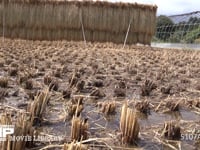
(68,95)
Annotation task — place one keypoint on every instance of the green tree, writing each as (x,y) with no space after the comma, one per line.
(176,37)
(163,20)
(164,27)
(193,20)
(191,36)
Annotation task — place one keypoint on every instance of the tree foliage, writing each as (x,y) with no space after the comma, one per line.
(166,22)
(163,20)
(190,37)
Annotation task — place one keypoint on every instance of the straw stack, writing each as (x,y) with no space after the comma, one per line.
(58,20)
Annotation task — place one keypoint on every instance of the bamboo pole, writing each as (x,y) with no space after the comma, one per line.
(127,32)
(82,27)
(3,19)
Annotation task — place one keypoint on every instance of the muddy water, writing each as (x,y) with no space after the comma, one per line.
(111,64)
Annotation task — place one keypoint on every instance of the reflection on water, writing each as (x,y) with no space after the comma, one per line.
(176,45)
(156,118)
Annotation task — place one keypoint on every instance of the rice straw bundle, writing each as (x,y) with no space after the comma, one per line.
(74,146)
(79,129)
(108,107)
(5,119)
(38,107)
(129,125)
(172,130)
(22,128)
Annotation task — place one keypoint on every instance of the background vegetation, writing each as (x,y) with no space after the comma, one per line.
(185,31)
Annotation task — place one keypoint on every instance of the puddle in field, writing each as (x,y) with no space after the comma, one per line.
(132,66)
(102,126)
(157,118)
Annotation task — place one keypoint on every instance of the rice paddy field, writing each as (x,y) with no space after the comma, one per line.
(83,94)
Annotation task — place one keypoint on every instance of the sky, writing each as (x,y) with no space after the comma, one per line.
(170,7)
